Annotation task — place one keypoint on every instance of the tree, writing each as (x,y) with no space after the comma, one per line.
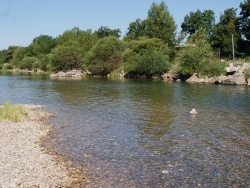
(43,44)
(83,40)
(160,24)
(105,56)
(146,56)
(244,20)
(105,32)
(196,54)
(198,19)
(27,63)
(66,58)
(221,38)
(135,30)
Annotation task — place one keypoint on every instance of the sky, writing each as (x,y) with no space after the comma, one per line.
(23,20)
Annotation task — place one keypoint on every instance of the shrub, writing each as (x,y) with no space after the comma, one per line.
(214,68)
(13,113)
(105,56)
(152,62)
(27,63)
(66,58)
(247,73)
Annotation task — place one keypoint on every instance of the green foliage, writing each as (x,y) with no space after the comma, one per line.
(11,112)
(214,68)
(149,52)
(243,21)
(106,32)
(152,62)
(27,63)
(45,63)
(198,19)
(43,44)
(3,56)
(135,30)
(66,58)
(105,56)
(247,73)
(196,54)
(160,24)
(221,38)
(83,40)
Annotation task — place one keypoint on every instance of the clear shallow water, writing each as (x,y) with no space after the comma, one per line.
(140,134)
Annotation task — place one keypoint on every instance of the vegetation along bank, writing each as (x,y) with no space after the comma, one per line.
(151,48)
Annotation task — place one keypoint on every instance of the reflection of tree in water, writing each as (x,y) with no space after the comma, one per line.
(155,115)
(86,91)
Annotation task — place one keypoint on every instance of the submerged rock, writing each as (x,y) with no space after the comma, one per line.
(193,111)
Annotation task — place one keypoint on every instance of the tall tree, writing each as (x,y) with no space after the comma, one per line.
(105,32)
(43,44)
(198,19)
(160,24)
(221,38)
(196,54)
(244,20)
(135,30)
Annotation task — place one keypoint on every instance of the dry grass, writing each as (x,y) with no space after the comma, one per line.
(11,112)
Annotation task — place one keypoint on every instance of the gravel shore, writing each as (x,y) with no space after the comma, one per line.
(24,163)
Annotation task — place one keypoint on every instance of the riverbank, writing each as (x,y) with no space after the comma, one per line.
(24,162)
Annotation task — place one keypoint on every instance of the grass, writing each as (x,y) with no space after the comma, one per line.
(11,112)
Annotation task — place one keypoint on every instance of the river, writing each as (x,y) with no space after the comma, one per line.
(139,133)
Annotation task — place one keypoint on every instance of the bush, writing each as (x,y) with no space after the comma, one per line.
(105,56)
(13,113)
(27,63)
(214,68)
(66,58)
(247,73)
(196,55)
(152,62)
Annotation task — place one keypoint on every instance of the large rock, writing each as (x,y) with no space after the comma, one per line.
(72,73)
(248,82)
(193,79)
(236,79)
(220,79)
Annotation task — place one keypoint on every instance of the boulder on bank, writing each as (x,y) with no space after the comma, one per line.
(235,79)
(71,73)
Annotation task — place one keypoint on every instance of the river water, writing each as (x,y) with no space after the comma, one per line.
(139,133)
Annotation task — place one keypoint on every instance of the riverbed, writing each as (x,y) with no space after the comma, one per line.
(139,133)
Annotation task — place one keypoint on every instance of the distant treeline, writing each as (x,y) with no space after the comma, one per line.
(149,47)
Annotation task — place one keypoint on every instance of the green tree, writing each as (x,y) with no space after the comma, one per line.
(135,30)
(83,40)
(3,56)
(160,24)
(244,20)
(146,56)
(66,58)
(198,19)
(105,56)
(43,44)
(27,63)
(221,38)
(105,32)
(196,54)
(151,63)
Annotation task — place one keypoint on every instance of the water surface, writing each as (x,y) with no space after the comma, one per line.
(134,133)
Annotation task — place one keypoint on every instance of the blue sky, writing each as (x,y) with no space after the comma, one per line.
(23,20)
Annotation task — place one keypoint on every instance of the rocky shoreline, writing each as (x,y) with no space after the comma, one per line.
(24,162)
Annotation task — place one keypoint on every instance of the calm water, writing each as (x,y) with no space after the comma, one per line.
(140,134)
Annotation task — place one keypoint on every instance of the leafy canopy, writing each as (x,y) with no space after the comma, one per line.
(198,19)
(105,56)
